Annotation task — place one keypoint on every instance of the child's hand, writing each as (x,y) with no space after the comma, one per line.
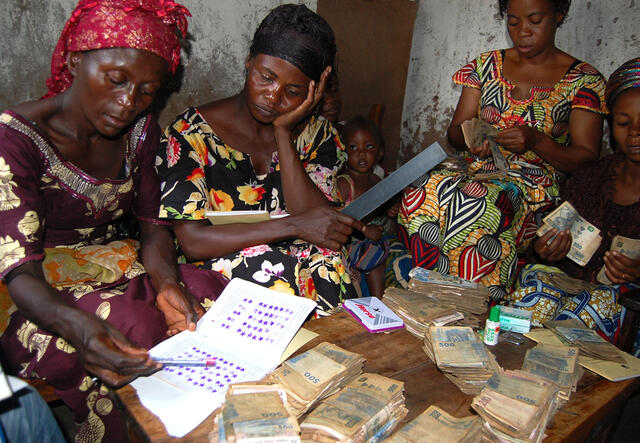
(373,232)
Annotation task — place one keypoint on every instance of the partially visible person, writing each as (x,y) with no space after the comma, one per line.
(606,194)
(26,417)
(548,107)
(259,150)
(365,148)
(73,164)
(331,103)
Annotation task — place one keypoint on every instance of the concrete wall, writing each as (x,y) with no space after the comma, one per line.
(221,31)
(448,34)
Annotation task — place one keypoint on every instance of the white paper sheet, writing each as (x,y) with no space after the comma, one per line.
(246,331)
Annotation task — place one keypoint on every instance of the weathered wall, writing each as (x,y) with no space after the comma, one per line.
(448,34)
(221,31)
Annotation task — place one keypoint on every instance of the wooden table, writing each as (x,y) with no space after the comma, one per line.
(592,411)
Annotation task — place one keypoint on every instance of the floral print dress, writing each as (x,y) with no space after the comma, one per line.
(474,229)
(201,173)
(51,211)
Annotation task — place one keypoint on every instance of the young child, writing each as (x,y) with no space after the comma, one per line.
(365,149)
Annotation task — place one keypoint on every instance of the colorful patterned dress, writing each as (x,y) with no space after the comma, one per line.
(473,229)
(54,212)
(201,173)
(589,191)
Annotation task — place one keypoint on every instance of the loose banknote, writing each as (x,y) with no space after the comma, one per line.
(629,247)
(585,237)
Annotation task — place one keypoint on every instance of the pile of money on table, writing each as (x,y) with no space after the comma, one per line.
(574,333)
(316,374)
(436,426)
(558,364)
(419,311)
(461,356)
(468,297)
(367,409)
(516,406)
(255,412)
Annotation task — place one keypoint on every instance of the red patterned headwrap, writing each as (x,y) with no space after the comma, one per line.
(97,24)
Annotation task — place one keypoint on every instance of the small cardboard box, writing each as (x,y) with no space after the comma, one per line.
(516,320)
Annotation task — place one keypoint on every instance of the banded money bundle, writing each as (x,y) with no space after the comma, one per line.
(419,311)
(436,426)
(574,333)
(366,409)
(255,412)
(461,356)
(585,237)
(468,297)
(515,406)
(557,364)
(316,374)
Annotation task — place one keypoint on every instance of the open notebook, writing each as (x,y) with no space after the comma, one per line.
(246,331)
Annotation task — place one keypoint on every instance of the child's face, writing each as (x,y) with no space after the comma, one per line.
(363,150)
(626,123)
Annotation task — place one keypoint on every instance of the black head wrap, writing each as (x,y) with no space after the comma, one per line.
(297,35)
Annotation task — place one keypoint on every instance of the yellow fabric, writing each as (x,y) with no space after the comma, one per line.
(64,267)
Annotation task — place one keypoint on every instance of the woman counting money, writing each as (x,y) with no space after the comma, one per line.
(607,195)
(72,165)
(547,109)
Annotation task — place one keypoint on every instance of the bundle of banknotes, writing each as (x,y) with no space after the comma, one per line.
(468,297)
(476,131)
(313,375)
(585,237)
(557,364)
(366,410)
(574,333)
(255,412)
(461,356)
(515,406)
(626,246)
(419,311)
(436,426)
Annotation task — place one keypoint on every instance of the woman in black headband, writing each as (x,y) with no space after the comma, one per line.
(260,150)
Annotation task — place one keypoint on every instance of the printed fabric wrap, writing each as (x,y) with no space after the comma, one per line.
(150,25)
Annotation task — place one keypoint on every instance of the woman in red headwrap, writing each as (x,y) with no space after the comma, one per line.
(72,165)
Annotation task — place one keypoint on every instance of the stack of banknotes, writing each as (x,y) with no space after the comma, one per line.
(558,364)
(313,375)
(574,333)
(468,297)
(255,412)
(516,406)
(461,356)
(436,426)
(419,311)
(366,410)
(585,237)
